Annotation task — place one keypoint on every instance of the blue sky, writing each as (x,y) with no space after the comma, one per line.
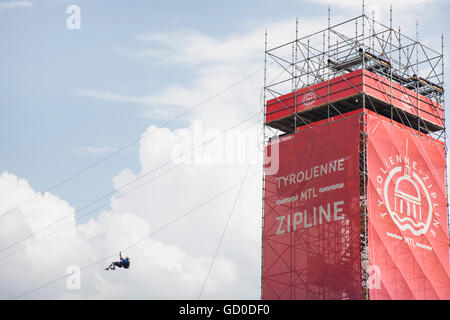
(71,97)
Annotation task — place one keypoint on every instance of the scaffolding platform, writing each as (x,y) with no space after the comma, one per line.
(345,93)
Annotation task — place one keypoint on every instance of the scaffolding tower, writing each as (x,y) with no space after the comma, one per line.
(339,69)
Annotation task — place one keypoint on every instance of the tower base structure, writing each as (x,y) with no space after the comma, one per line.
(355,208)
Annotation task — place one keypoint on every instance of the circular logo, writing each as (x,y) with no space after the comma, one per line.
(309,99)
(407,200)
(406,102)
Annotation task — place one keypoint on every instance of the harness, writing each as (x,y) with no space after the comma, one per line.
(125,263)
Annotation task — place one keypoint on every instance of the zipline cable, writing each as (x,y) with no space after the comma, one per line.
(92,211)
(227,224)
(141,239)
(125,185)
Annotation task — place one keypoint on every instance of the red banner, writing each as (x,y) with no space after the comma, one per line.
(311,237)
(407,206)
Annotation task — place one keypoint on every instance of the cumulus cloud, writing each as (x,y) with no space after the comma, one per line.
(159,270)
(171,265)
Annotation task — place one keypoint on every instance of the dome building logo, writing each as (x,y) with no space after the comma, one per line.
(407,200)
(407,193)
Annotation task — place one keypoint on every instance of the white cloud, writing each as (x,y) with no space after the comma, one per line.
(219,63)
(102,95)
(399,4)
(158,270)
(405,13)
(152,111)
(192,47)
(15,5)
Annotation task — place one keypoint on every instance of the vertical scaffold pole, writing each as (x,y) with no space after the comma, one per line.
(364,249)
(295,74)
(263,155)
(442,101)
(328,57)
(390,60)
(417,76)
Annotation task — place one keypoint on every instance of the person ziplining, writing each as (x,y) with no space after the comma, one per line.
(125,263)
